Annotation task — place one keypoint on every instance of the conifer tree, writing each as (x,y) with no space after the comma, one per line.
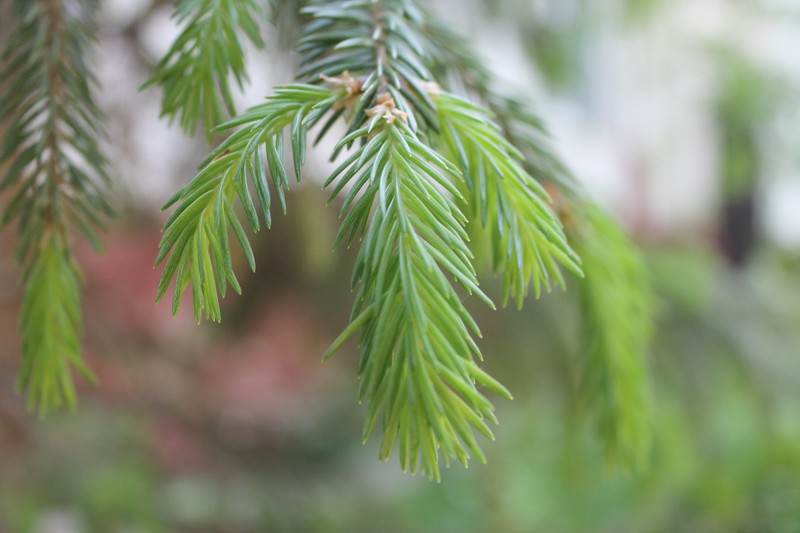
(430,145)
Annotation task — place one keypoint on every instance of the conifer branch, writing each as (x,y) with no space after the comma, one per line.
(51,325)
(528,241)
(195,243)
(617,313)
(417,360)
(195,73)
(57,177)
(417,368)
(379,42)
(417,352)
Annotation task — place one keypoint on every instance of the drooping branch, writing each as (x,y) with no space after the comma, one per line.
(416,156)
(58,181)
(194,74)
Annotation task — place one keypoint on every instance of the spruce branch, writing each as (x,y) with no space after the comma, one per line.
(51,325)
(195,243)
(417,363)
(617,325)
(57,178)
(616,298)
(195,73)
(379,42)
(368,61)
(528,242)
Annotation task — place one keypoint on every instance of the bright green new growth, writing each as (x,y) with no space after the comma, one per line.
(195,73)
(196,235)
(57,178)
(528,242)
(416,362)
(51,326)
(617,313)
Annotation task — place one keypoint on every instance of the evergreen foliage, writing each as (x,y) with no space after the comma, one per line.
(419,164)
(57,179)
(196,235)
(195,73)
(527,239)
(617,326)
(616,294)
(417,350)
(421,153)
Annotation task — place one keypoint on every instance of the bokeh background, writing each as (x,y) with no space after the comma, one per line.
(680,116)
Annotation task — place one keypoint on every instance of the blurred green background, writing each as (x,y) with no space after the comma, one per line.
(240,427)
